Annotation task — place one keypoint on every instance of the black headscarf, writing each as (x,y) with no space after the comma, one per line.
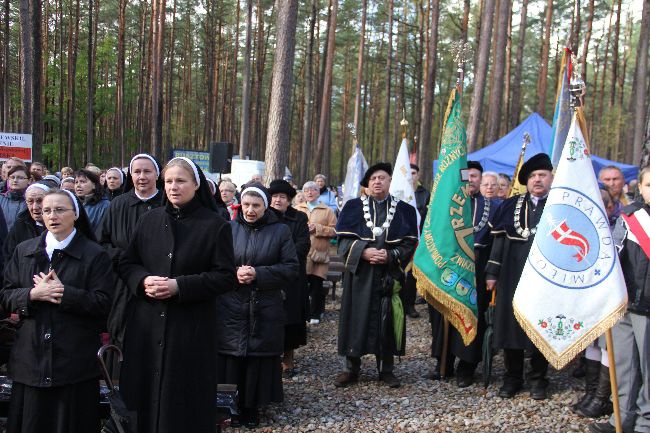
(203,194)
(82,223)
(128,182)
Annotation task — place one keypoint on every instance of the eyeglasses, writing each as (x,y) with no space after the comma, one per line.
(17,178)
(55,211)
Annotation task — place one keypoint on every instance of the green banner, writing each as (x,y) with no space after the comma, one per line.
(444,260)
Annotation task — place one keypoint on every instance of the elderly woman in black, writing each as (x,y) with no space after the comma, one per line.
(60,284)
(180,259)
(296,297)
(251,318)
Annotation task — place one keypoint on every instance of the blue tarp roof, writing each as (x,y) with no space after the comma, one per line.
(502,155)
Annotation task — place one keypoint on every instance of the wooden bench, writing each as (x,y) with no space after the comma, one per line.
(334,273)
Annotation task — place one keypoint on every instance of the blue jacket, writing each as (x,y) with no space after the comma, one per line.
(95,211)
(329,199)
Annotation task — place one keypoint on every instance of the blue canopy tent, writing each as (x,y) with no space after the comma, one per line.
(502,155)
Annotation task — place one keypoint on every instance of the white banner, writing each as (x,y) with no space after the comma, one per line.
(572,288)
(401,185)
(357,167)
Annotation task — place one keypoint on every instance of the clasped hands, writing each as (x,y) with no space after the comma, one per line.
(246,274)
(375,256)
(47,288)
(160,287)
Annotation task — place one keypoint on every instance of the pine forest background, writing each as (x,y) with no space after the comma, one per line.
(99,80)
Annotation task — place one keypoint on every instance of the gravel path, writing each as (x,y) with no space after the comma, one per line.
(313,404)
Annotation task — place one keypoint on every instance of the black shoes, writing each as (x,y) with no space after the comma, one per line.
(599,404)
(412,313)
(509,389)
(464,381)
(389,379)
(602,427)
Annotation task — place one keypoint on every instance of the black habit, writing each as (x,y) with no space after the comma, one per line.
(114,234)
(168,373)
(53,361)
(363,283)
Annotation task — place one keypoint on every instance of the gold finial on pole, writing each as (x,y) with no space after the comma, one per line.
(404,123)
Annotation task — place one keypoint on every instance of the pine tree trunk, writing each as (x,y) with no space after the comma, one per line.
(424,157)
(496,95)
(27,67)
(617,32)
(476,108)
(6,76)
(389,67)
(158,36)
(639,99)
(90,130)
(121,63)
(585,47)
(362,43)
(278,134)
(324,125)
(542,82)
(73,45)
(309,102)
(246,92)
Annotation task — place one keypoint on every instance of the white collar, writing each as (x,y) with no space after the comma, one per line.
(52,244)
(536,199)
(144,198)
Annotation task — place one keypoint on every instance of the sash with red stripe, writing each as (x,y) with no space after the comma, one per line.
(638,231)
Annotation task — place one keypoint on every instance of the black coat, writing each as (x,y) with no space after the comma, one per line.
(296,296)
(114,234)
(635,264)
(24,228)
(507,259)
(168,373)
(57,344)
(258,330)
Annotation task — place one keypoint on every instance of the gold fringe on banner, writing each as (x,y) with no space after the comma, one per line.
(560,360)
(446,304)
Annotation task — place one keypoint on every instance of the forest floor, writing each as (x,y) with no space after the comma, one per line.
(313,404)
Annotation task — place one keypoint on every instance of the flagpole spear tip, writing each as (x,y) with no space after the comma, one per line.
(353,131)
(461,51)
(577,86)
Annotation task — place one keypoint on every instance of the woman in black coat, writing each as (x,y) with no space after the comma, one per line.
(29,222)
(296,302)
(180,259)
(251,318)
(60,284)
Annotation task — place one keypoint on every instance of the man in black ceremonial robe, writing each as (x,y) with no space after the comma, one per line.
(469,356)
(377,238)
(513,228)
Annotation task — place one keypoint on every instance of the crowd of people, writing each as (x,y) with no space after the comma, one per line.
(202,283)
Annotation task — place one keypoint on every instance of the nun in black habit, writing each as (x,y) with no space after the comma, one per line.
(60,284)
(142,193)
(251,317)
(179,261)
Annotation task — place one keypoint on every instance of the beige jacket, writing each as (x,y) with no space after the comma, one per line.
(325,221)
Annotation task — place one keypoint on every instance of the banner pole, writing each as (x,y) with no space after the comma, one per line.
(612,378)
(445,348)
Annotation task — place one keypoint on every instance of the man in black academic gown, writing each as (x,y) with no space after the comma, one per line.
(377,238)
(469,356)
(513,228)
